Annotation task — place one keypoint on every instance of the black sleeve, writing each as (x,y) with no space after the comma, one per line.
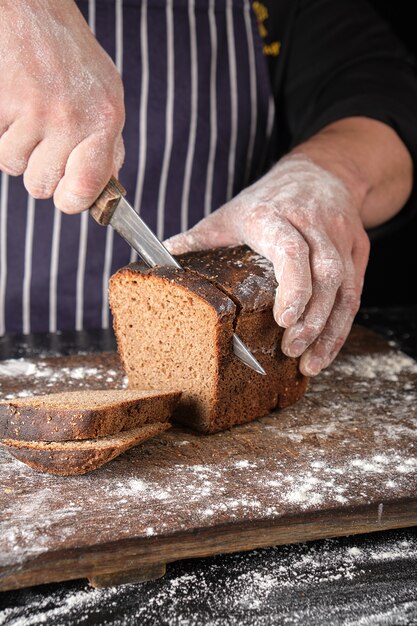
(343,60)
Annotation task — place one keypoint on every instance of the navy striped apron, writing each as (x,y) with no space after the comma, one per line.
(199,116)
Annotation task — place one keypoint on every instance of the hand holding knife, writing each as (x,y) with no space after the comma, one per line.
(112,208)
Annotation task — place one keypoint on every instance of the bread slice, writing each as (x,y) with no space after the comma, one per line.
(83,414)
(78,457)
(174,329)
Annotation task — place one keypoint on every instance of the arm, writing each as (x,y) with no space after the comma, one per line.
(372,161)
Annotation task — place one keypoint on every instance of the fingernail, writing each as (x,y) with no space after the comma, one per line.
(313,366)
(296,348)
(288,317)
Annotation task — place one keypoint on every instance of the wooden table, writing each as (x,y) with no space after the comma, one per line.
(342,461)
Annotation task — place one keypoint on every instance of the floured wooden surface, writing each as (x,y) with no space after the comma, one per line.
(350,444)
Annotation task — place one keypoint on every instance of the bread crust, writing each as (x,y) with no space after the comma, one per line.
(83,414)
(247,282)
(246,277)
(190,281)
(78,457)
(220,315)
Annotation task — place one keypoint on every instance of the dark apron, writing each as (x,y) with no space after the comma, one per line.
(199,116)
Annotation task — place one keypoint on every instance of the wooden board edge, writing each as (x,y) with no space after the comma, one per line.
(137,575)
(138,554)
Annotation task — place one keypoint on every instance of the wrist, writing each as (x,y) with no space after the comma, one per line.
(370,159)
(324,152)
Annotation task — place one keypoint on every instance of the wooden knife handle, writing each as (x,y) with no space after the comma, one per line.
(103,208)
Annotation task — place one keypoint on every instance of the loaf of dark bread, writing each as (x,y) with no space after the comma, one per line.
(83,414)
(66,458)
(174,330)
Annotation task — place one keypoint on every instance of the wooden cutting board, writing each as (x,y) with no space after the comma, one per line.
(341,461)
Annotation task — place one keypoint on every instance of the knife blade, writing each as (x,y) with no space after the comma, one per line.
(112,208)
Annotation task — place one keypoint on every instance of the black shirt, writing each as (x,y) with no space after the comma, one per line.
(338,59)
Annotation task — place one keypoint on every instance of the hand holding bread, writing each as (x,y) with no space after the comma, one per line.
(304,220)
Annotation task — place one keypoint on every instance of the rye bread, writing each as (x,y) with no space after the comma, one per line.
(66,458)
(174,329)
(83,414)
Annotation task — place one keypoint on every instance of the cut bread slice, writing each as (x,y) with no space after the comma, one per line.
(83,414)
(81,456)
(174,329)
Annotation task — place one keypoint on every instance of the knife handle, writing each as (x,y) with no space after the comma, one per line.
(103,208)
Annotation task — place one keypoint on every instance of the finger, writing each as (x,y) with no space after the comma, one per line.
(327,273)
(16,146)
(286,248)
(190,241)
(292,270)
(4,125)
(326,348)
(46,167)
(322,352)
(360,256)
(210,232)
(88,170)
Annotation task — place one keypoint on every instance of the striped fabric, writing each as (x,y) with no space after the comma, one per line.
(199,116)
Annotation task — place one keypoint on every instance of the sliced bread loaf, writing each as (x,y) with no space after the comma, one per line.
(83,414)
(174,329)
(67,458)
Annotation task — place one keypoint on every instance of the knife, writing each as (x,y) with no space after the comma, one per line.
(112,208)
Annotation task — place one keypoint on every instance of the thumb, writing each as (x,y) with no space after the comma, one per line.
(210,232)
(186,242)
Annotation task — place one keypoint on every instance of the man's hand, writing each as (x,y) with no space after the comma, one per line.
(61,103)
(303,219)
(308,216)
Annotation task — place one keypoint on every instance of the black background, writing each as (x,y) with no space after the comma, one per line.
(391,277)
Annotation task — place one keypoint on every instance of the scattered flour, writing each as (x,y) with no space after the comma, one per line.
(138,497)
(41,377)
(254,286)
(131,487)
(200,495)
(244,464)
(372,366)
(261,261)
(17,367)
(338,582)
(38,532)
(143,499)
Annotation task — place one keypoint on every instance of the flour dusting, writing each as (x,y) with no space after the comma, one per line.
(184,495)
(335,582)
(39,376)
(261,261)
(372,366)
(349,443)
